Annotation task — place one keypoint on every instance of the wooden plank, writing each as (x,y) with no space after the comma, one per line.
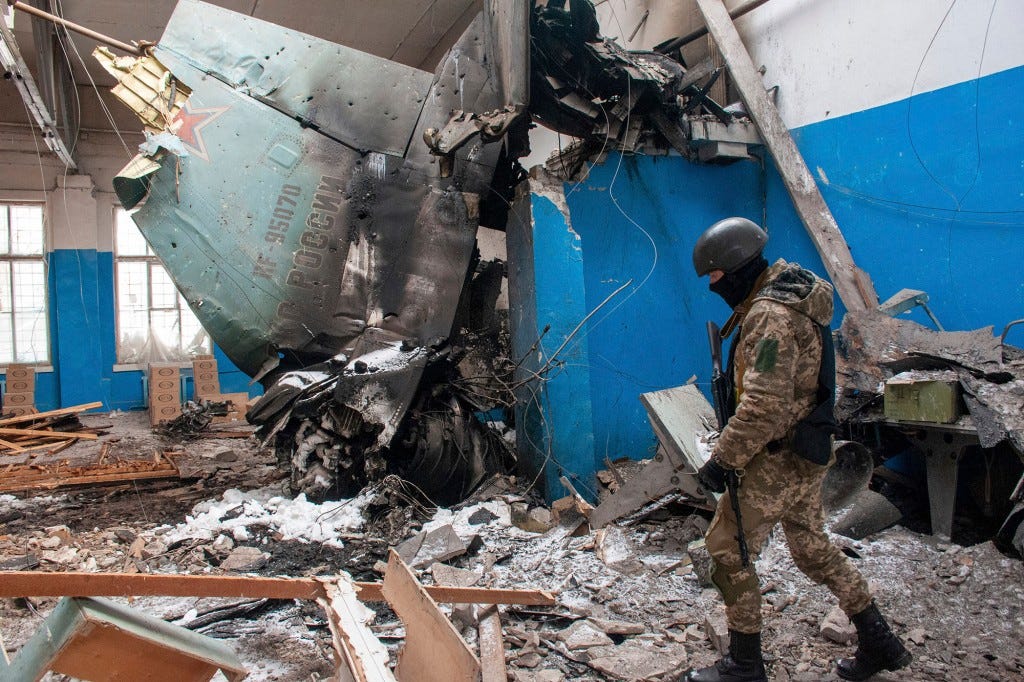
(47,434)
(851,283)
(44,446)
(492,646)
(44,479)
(78,584)
(51,413)
(360,656)
(433,651)
(467,595)
(11,446)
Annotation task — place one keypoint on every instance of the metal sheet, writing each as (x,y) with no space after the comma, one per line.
(508,42)
(364,101)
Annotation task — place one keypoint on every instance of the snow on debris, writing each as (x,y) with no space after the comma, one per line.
(237,513)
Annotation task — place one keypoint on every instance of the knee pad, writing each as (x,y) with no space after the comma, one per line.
(733,584)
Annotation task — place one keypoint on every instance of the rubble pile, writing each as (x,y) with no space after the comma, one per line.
(633,602)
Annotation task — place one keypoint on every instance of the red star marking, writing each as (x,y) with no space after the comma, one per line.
(188,126)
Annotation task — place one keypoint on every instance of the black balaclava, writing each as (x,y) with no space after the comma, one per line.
(734,287)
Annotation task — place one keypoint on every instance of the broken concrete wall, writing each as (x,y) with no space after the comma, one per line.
(899,109)
(647,337)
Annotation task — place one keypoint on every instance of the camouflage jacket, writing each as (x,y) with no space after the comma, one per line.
(776,361)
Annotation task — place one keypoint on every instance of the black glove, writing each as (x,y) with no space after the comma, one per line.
(712,476)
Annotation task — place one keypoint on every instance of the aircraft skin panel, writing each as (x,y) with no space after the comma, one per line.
(289,244)
(365,101)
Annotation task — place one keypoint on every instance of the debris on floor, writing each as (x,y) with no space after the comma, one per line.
(628,604)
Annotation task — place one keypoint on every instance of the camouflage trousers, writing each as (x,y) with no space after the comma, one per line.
(778,487)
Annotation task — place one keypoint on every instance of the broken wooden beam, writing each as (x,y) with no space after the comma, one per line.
(492,646)
(80,584)
(434,651)
(359,655)
(851,283)
(16,477)
(44,433)
(50,413)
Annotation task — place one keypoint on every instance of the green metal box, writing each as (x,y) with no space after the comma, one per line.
(922,400)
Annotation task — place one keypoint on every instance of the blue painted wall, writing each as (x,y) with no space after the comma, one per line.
(928,191)
(548,298)
(637,218)
(83,340)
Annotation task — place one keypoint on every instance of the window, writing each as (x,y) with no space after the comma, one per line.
(24,331)
(154,323)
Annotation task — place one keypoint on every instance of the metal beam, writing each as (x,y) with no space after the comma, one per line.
(852,284)
(14,64)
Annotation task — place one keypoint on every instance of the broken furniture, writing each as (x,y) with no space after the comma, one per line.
(98,640)
(679,416)
(357,655)
(943,446)
(927,409)
(28,476)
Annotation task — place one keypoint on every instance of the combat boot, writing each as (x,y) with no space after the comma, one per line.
(743,663)
(877,648)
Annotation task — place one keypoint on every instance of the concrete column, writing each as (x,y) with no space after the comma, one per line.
(554,424)
(76,325)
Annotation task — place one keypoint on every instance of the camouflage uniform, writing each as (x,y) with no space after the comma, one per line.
(776,364)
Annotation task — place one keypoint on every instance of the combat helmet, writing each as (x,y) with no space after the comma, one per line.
(728,245)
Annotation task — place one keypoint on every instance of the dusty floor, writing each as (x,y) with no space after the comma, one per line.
(961,609)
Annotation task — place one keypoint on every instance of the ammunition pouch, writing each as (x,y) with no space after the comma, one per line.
(812,437)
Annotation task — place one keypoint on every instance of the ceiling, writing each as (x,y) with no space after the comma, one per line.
(413,32)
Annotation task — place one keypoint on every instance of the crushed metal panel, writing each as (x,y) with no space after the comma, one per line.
(364,101)
(146,86)
(296,249)
(507,32)
(869,340)
(679,416)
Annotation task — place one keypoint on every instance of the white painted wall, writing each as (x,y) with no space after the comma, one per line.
(27,175)
(836,57)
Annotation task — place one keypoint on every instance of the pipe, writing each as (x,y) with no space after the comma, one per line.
(675,43)
(71,26)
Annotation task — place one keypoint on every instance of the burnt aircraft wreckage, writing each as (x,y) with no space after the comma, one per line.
(318,208)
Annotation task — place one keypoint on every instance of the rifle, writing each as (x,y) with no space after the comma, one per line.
(720,394)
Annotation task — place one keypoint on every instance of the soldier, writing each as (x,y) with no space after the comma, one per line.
(778,443)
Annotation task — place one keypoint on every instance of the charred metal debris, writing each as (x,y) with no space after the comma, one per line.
(957,398)
(332,256)
(324,419)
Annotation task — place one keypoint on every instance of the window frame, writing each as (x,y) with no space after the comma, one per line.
(151,260)
(6,204)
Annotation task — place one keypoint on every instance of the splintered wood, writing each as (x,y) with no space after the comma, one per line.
(434,649)
(50,431)
(15,477)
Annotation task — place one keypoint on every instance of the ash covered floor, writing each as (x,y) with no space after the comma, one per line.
(631,605)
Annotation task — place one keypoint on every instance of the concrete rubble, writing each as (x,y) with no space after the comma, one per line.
(964,621)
